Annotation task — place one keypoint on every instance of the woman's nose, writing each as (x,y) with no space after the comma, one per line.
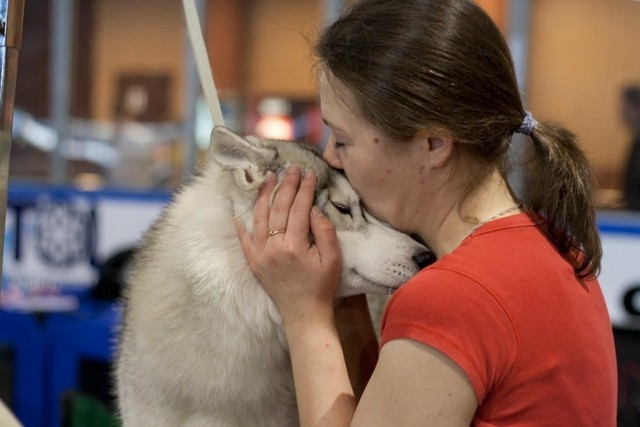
(330,155)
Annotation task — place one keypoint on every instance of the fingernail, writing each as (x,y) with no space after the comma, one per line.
(316,211)
(307,174)
(291,169)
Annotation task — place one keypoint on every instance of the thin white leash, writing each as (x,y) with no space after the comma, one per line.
(202,61)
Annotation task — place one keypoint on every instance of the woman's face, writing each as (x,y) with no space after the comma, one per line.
(387,177)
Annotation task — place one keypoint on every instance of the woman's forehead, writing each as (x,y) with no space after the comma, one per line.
(336,102)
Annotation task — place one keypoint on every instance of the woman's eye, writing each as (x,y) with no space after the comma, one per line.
(343,209)
(338,145)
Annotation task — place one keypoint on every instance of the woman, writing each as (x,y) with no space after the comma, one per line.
(508,326)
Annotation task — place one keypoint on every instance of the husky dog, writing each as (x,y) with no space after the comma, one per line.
(202,344)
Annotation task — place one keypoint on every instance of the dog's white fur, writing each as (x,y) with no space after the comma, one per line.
(201,343)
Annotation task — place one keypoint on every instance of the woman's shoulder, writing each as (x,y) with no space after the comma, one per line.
(503,250)
(449,310)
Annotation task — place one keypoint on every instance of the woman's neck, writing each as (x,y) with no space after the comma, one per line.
(490,200)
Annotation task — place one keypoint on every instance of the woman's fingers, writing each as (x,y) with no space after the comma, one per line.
(325,236)
(290,269)
(298,225)
(262,209)
(279,216)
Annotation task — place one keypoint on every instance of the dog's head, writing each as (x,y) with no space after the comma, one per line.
(376,258)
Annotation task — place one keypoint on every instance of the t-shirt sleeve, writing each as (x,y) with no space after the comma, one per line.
(459,317)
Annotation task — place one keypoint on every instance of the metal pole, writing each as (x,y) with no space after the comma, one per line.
(60,83)
(518,37)
(332,10)
(519,29)
(11,14)
(191,94)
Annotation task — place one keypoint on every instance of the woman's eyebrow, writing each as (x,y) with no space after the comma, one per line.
(332,126)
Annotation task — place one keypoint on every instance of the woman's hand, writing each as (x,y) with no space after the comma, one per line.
(300,276)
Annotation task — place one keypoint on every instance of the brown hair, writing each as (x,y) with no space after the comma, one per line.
(443,64)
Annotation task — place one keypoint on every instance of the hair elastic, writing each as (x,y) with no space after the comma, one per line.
(527,125)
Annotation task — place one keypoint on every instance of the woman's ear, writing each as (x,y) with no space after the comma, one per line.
(440,149)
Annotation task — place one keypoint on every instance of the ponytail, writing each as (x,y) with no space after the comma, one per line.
(560,194)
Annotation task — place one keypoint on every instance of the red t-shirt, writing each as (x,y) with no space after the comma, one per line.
(535,342)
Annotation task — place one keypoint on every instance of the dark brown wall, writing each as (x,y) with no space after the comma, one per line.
(33,82)
(32,86)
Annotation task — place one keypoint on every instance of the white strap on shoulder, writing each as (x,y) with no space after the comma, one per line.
(202,61)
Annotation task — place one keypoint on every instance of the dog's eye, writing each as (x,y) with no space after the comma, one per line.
(343,209)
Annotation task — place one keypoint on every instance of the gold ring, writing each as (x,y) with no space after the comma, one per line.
(274,232)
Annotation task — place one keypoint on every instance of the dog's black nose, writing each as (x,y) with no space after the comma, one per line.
(424,259)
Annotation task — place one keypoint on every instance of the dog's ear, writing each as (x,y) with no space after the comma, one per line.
(246,157)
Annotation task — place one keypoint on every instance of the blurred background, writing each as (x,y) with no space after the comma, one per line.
(127,65)
(109,120)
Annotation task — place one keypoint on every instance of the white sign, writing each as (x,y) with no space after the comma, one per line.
(620,276)
(56,238)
